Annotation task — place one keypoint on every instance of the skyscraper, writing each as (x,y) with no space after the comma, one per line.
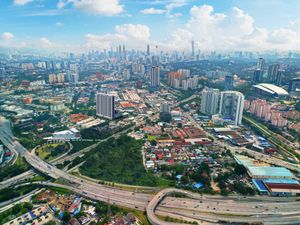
(232,106)
(209,101)
(148,49)
(257,76)
(154,77)
(272,72)
(193,48)
(261,64)
(105,105)
(228,82)
(278,77)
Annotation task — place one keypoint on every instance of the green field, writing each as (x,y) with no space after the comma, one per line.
(120,160)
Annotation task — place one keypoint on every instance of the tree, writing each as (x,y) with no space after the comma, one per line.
(240,169)
(66,216)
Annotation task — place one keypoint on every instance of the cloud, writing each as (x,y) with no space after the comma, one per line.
(235,30)
(173,5)
(96,7)
(133,35)
(7,36)
(22,2)
(59,24)
(150,11)
(45,43)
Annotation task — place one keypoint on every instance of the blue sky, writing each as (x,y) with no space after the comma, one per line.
(171,24)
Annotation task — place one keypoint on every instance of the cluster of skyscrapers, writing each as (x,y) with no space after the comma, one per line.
(274,74)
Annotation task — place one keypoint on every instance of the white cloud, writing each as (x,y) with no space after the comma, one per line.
(97,7)
(137,32)
(169,7)
(153,11)
(45,43)
(233,31)
(59,24)
(174,4)
(7,36)
(22,2)
(133,35)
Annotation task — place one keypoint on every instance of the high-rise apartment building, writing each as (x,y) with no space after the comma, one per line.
(154,77)
(209,101)
(232,106)
(105,105)
(165,108)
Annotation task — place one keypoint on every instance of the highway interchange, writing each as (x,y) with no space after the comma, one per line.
(203,209)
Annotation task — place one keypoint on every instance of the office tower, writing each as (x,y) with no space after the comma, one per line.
(260,64)
(148,49)
(272,72)
(165,108)
(209,101)
(231,106)
(257,76)
(193,48)
(105,105)
(154,77)
(228,82)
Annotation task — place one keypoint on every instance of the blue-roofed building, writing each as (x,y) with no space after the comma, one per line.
(260,186)
(178,177)
(198,185)
(281,181)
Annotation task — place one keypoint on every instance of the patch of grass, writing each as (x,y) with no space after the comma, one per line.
(151,138)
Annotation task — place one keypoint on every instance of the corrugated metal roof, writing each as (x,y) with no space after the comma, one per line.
(269,171)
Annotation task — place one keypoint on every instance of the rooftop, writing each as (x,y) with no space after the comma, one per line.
(269,171)
(271,88)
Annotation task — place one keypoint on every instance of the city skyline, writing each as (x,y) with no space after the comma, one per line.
(77,26)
